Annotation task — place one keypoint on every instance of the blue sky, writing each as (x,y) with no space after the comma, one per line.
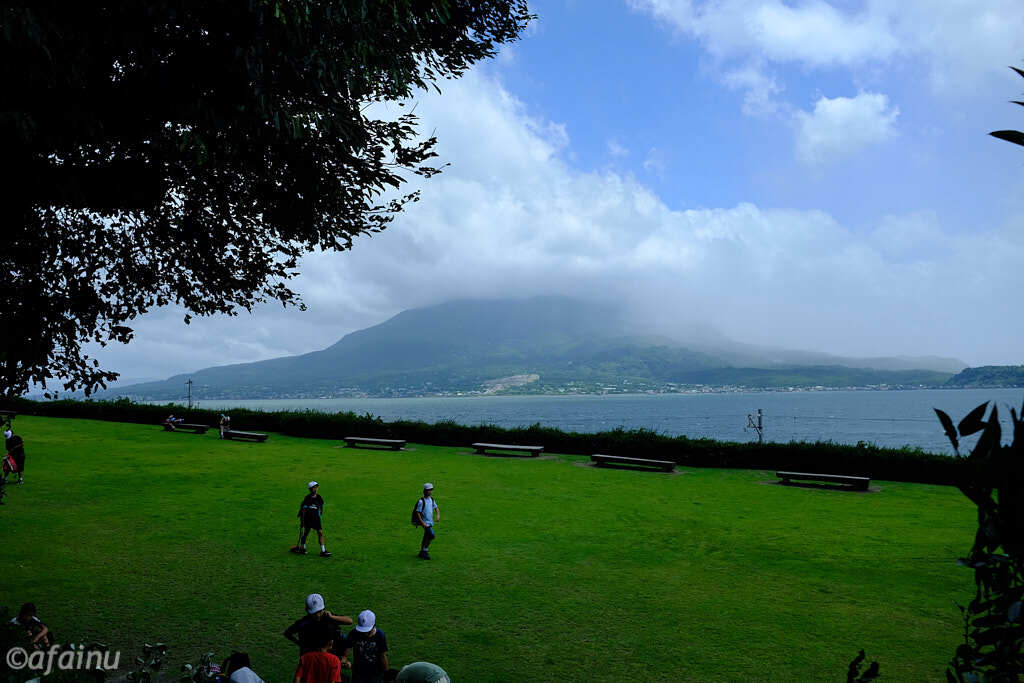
(812,175)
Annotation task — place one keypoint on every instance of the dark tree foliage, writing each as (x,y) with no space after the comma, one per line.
(993,647)
(1014,136)
(190,152)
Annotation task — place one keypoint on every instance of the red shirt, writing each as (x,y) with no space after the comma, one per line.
(319,667)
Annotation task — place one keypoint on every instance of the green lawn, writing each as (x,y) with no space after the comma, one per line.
(543,569)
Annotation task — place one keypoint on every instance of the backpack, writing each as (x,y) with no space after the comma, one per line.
(415,519)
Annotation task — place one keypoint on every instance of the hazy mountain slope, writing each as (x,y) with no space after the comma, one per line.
(570,344)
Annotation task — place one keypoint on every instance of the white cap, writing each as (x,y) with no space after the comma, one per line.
(312,484)
(428,486)
(314,603)
(8,434)
(366,621)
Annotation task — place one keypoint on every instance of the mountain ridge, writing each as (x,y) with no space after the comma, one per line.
(468,346)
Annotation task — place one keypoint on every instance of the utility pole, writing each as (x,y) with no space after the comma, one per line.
(189,383)
(758,426)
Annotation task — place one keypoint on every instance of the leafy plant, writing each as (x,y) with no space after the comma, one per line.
(994,482)
(1014,136)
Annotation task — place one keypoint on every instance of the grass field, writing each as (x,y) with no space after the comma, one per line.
(543,569)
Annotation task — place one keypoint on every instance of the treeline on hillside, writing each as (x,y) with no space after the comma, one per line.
(987,376)
(892,464)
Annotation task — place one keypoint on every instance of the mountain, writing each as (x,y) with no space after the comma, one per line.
(989,376)
(538,345)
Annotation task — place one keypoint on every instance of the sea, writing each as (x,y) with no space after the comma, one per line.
(893,418)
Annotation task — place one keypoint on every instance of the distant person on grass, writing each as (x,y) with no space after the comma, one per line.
(318,623)
(426,513)
(311,513)
(369,650)
(319,665)
(225,424)
(16,449)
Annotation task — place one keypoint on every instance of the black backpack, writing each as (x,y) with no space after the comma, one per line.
(415,519)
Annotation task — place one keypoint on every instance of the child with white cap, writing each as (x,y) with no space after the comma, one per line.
(369,649)
(308,631)
(426,513)
(311,513)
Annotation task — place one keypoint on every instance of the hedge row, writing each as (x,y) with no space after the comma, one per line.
(904,464)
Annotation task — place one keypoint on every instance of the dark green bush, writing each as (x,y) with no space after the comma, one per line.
(892,464)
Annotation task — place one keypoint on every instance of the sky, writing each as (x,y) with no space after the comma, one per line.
(810,175)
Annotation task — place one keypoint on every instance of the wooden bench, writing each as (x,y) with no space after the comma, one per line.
(187,427)
(235,434)
(600,460)
(482,448)
(859,483)
(393,444)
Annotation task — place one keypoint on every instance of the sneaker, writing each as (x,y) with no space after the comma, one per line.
(325,553)
(424,555)
(301,551)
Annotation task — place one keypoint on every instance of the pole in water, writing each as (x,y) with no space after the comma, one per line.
(758,426)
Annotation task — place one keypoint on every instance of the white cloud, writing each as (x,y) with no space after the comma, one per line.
(509,218)
(958,41)
(760,89)
(842,126)
(616,149)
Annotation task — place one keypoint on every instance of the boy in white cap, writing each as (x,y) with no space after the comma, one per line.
(369,650)
(426,513)
(311,513)
(318,623)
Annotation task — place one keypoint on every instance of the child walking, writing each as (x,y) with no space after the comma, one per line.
(311,513)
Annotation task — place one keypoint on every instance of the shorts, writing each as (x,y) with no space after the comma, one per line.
(428,533)
(312,522)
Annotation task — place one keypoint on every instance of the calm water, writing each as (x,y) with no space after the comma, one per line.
(886,418)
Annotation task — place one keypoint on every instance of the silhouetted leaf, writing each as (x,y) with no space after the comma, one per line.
(1018,71)
(947,425)
(1014,136)
(973,422)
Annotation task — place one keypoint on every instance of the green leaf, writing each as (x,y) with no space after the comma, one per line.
(973,421)
(1014,136)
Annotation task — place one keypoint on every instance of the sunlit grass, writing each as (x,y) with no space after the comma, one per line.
(543,569)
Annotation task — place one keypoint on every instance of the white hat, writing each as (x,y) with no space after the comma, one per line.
(8,434)
(312,484)
(366,621)
(314,603)
(428,486)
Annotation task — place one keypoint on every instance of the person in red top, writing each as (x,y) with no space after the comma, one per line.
(319,666)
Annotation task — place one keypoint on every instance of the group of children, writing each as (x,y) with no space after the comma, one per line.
(324,652)
(311,511)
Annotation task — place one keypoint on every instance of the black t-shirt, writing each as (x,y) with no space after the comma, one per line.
(311,631)
(366,651)
(312,506)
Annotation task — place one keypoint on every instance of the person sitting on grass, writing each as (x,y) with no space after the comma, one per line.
(422,672)
(15,447)
(311,513)
(171,421)
(236,668)
(318,622)
(369,650)
(319,665)
(36,631)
